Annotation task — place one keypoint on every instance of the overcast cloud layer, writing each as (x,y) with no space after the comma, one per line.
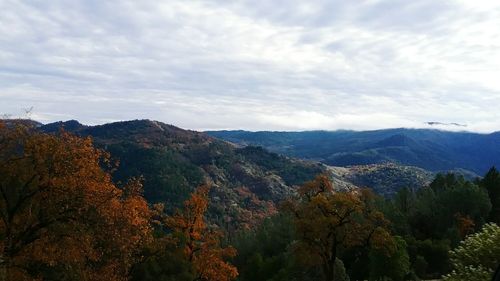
(256,64)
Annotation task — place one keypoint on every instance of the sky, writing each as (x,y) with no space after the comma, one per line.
(253,64)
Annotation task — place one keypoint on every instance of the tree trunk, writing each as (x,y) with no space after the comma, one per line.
(329,266)
(5,263)
(327,272)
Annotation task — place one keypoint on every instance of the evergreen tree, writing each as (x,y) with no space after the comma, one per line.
(491,182)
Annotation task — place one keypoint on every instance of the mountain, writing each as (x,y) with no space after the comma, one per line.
(248,182)
(433,150)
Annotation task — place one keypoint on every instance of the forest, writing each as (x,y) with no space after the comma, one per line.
(66,216)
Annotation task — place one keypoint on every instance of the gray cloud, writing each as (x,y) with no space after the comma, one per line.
(280,65)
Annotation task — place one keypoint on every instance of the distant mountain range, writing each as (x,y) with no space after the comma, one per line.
(433,150)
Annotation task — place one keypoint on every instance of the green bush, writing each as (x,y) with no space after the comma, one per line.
(477,257)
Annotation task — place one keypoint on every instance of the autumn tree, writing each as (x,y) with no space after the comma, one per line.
(61,217)
(201,245)
(328,222)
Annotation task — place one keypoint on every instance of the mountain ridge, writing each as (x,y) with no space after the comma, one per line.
(431,149)
(247,182)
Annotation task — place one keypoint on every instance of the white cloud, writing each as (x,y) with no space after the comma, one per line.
(280,65)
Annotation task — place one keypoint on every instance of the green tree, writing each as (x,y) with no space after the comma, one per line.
(163,263)
(477,257)
(263,253)
(491,181)
(439,211)
(395,266)
(429,258)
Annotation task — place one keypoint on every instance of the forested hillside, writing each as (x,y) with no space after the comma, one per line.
(432,150)
(248,181)
(142,200)
(384,179)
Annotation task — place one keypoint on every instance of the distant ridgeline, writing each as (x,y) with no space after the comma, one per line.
(433,150)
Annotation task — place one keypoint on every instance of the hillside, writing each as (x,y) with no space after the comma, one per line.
(248,181)
(384,179)
(432,150)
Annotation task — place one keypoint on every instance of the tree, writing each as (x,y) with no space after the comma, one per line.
(448,210)
(201,245)
(477,257)
(61,217)
(163,261)
(491,181)
(327,222)
(429,258)
(264,252)
(394,266)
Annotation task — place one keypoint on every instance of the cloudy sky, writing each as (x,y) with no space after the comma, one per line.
(253,64)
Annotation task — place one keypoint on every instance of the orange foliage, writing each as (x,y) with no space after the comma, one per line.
(327,221)
(465,225)
(61,215)
(254,211)
(202,245)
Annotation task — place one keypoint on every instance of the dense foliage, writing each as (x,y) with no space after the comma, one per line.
(387,179)
(425,225)
(435,219)
(328,222)
(215,212)
(62,218)
(249,181)
(477,257)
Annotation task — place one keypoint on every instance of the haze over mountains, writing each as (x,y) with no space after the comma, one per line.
(433,150)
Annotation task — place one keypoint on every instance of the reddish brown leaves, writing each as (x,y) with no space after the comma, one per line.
(60,212)
(202,245)
(327,221)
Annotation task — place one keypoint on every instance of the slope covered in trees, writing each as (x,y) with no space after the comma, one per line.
(432,150)
(384,179)
(63,218)
(68,212)
(248,182)
(365,237)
